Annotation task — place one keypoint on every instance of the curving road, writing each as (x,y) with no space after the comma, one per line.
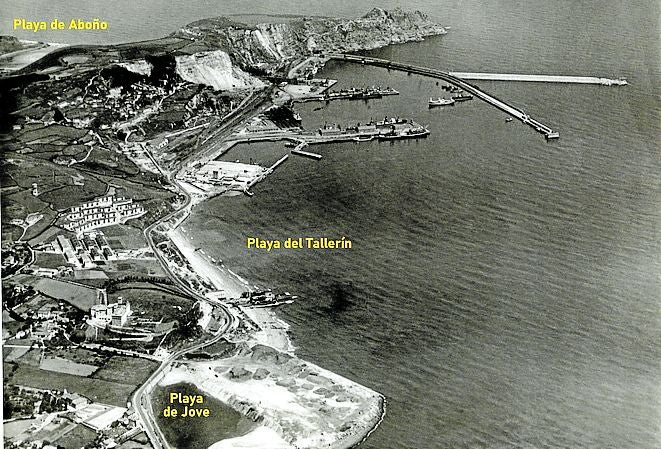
(141,400)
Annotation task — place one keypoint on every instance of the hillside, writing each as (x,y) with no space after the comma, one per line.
(266,45)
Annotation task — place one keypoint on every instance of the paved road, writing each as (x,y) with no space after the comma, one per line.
(141,400)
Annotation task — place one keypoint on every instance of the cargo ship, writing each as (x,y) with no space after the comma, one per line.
(266,298)
(410,133)
(386,122)
(366,93)
(462,97)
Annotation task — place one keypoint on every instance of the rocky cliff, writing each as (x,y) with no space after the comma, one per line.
(214,68)
(268,44)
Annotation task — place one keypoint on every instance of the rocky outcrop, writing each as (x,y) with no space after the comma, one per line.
(269,44)
(214,68)
(140,67)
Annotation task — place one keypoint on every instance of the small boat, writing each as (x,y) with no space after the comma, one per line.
(462,97)
(363,138)
(440,102)
(508,119)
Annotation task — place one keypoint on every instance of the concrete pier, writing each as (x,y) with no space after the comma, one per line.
(306,154)
(473,90)
(268,171)
(299,151)
(540,78)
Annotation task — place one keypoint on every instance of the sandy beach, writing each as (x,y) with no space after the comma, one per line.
(273,330)
(221,278)
(260,438)
(16,60)
(304,404)
(298,403)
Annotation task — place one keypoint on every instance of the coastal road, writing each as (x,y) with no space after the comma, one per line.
(141,399)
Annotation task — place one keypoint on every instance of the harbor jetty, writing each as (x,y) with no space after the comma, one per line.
(268,171)
(445,76)
(459,82)
(353,93)
(540,78)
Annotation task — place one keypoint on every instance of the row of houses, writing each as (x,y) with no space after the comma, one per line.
(105,211)
(85,250)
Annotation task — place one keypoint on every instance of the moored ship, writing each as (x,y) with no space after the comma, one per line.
(386,122)
(266,298)
(409,133)
(462,97)
(440,102)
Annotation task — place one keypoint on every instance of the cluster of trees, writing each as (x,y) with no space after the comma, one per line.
(111,285)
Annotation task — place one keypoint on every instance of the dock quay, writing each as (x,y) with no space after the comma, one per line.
(331,133)
(446,76)
(540,78)
(299,151)
(367,93)
(306,154)
(268,171)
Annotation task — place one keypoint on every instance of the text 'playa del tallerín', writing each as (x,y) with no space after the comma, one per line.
(192,406)
(78,24)
(298,243)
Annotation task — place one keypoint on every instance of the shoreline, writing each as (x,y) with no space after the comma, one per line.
(251,398)
(273,330)
(367,404)
(17,60)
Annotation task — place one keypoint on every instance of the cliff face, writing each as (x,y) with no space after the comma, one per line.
(268,44)
(225,50)
(214,69)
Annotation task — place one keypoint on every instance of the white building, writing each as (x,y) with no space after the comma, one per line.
(116,313)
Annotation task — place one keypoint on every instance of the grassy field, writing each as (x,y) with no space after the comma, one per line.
(10,232)
(31,358)
(34,303)
(157,301)
(72,195)
(87,275)
(113,393)
(55,183)
(78,437)
(196,433)
(80,355)
(81,297)
(48,235)
(64,366)
(127,370)
(49,260)
(124,237)
(52,134)
(134,267)
(44,224)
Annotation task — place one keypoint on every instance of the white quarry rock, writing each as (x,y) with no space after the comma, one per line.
(138,66)
(214,68)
